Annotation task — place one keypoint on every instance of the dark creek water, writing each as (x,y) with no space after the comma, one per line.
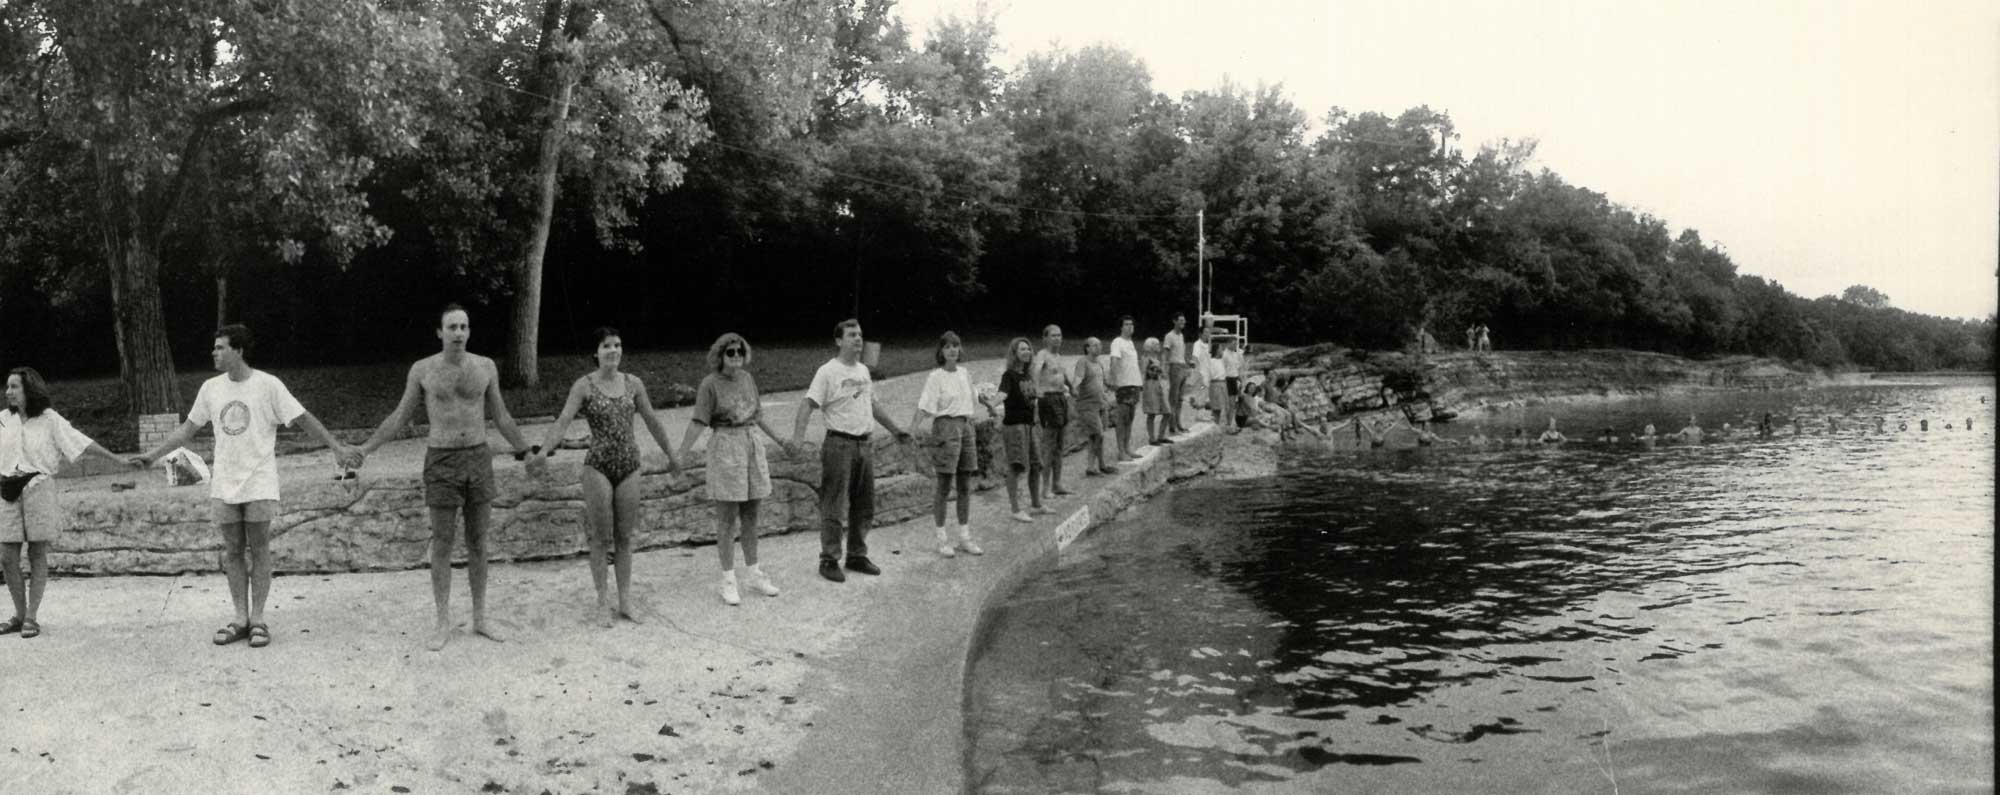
(1809,613)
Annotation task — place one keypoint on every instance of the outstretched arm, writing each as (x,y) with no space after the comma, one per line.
(882,416)
(413,391)
(347,455)
(800,417)
(179,437)
(644,404)
(496,407)
(570,404)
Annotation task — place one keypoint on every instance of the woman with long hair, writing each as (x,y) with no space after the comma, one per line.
(739,474)
(607,399)
(35,444)
(1017,429)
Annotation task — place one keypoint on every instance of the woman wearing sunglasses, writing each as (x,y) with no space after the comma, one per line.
(728,405)
(607,399)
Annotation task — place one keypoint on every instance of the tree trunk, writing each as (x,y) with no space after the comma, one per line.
(556,70)
(221,298)
(145,362)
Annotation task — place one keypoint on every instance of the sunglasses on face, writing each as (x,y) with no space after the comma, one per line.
(732,351)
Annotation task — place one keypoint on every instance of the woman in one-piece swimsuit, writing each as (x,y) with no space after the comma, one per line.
(610,492)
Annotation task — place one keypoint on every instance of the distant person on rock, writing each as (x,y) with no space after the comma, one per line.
(247,406)
(947,403)
(1056,388)
(1472,338)
(843,389)
(1485,341)
(460,391)
(736,466)
(1232,377)
(1017,429)
(1126,377)
(1201,353)
(1174,349)
(609,400)
(1091,407)
(35,444)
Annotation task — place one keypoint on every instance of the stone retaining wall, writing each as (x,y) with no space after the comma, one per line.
(381,523)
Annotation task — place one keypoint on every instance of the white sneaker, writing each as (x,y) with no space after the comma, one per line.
(965,541)
(1022,516)
(944,545)
(729,595)
(761,583)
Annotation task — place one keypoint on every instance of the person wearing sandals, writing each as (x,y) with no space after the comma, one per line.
(247,406)
(1017,429)
(953,446)
(607,399)
(728,404)
(35,443)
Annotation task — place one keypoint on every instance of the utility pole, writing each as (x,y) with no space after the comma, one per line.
(1200,268)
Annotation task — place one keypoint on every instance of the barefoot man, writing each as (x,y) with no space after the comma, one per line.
(460,391)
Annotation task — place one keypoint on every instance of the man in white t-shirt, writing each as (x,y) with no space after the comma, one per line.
(843,390)
(1174,347)
(246,406)
(1125,383)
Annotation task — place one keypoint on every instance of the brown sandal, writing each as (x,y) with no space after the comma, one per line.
(29,628)
(231,633)
(260,636)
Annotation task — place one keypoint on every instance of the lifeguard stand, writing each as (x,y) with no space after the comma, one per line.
(1237,325)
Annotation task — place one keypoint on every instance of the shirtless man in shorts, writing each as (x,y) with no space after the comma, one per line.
(460,391)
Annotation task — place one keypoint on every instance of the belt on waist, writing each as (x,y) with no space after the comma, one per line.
(858,437)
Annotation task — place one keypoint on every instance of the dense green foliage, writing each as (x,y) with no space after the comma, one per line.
(775,167)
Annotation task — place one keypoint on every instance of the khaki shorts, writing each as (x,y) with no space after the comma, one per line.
(1019,440)
(953,446)
(37,516)
(252,512)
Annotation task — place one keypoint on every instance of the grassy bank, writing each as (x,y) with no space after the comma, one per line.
(356,397)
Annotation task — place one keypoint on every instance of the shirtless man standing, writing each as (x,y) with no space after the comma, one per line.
(460,391)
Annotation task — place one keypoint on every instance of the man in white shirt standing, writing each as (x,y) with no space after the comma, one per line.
(1174,347)
(842,388)
(247,406)
(1125,382)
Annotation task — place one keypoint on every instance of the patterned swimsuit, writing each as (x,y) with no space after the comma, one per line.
(613,451)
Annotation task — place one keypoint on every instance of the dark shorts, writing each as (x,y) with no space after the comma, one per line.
(953,446)
(1235,386)
(1020,442)
(458,476)
(1052,411)
(1128,396)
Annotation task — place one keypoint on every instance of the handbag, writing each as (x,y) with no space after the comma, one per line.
(12,486)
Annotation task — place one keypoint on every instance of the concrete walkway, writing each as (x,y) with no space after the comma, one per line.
(853,687)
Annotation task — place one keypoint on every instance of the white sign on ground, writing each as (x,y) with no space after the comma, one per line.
(1072,527)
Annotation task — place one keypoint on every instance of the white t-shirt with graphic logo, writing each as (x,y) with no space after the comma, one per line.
(246,416)
(847,396)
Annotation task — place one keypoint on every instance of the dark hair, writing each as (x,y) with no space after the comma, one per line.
(34,391)
(1014,363)
(840,329)
(1180,315)
(722,343)
(597,337)
(450,308)
(237,334)
(948,338)
(1124,319)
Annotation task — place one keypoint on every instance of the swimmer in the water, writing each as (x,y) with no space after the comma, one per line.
(1923,425)
(1764,426)
(1608,436)
(1832,425)
(1376,438)
(1552,436)
(1902,425)
(1519,439)
(1691,433)
(1795,427)
(1425,438)
(1648,437)
(1880,424)
(1726,432)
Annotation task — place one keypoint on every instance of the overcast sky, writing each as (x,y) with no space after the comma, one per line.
(1821,144)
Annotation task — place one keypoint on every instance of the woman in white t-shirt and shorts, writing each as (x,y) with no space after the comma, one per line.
(951,442)
(35,444)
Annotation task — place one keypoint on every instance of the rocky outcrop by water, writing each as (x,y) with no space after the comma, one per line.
(1445,385)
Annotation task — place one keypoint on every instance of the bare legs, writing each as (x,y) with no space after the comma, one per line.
(444,535)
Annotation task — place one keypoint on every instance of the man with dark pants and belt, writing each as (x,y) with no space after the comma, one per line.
(459,390)
(842,388)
